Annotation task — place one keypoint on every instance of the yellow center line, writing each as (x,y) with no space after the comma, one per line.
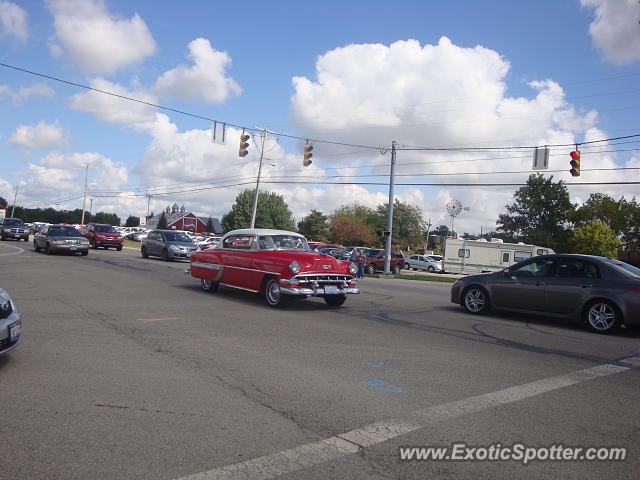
(148,320)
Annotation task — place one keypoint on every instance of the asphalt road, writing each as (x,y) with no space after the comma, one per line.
(127,370)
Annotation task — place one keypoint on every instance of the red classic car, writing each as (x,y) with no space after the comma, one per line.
(276,263)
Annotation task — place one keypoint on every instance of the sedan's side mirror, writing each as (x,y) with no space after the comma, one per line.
(507,272)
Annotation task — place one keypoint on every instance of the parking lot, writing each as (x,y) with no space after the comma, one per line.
(128,370)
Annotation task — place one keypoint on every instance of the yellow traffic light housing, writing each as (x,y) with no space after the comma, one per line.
(307,155)
(244,144)
(575,163)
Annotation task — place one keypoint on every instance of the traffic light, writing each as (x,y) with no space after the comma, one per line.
(244,144)
(307,155)
(575,163)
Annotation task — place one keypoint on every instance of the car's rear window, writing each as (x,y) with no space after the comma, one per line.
(372,253)
(13,221)
(624,267)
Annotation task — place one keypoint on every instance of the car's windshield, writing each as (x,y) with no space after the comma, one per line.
(177,237)
(371,253)
(625,267)
(105,229)
(13,221)
(64,231)
(283,242)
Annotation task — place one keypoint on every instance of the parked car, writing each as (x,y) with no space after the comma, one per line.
(423,262)
(375,260)
(10,323)
(101,235)
(602,292)
(276,263)
(60,238)
(167,245)
(13,228)
(207,242)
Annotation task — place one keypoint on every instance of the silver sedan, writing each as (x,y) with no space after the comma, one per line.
(602,292)
(10,323)
(60,238)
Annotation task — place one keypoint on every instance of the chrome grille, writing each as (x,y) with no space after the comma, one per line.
(323,279)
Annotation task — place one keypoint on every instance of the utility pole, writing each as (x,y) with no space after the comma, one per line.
(148,202)
(263,139)
(84,198)
(392,179)
(13,208)
(90,207)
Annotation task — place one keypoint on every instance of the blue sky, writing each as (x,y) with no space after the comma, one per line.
(422,73)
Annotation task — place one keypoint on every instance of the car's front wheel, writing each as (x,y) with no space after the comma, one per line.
(84,253)
(165,255)
(208,285)
(430,269)
(272,294)
(602,316)
(335,300)
(407,266)
(475,300)
(144,253)
(35,246)
(47,249)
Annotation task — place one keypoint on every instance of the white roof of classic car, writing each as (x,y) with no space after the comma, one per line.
(261,231)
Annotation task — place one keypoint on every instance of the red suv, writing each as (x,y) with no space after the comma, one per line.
(100,235)
(375,260)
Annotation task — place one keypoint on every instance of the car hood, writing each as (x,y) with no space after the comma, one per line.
(183,244)
(309,261)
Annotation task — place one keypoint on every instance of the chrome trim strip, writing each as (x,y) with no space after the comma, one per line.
(240,288)
(210,266)
(252,270)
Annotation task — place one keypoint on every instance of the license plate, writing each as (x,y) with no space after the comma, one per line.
(15,330)
(17,235)
(330,289)
(73,249)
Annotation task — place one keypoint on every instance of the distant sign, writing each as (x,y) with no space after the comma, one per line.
(541,158)
(143,221)
(2,213)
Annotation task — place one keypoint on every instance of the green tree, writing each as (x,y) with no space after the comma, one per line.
(104,217)
(539,214)
(602,208)
(271,212)
(630,229)
(594,238)
(315,226)
(132,221)
(351,230)
(441,230)
(368,215)
(409,228)
(162,221)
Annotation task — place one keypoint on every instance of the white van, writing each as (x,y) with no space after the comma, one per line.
(478,256)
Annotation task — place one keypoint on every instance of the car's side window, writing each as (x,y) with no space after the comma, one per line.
(266,243)
(242,242)
(571,268)
(536,268)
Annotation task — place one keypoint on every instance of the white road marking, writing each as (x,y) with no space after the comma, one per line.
(20,250)
(304,456)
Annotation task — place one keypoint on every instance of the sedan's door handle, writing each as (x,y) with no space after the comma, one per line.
(587,286)
(538,284)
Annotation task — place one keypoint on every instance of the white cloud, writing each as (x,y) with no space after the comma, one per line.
(615,29)
(440,96)
(13,21)
(96,40)
(205,80)
(26,93)
(39,137)
(112,109)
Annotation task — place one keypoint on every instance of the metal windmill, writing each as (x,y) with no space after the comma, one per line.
(454,207)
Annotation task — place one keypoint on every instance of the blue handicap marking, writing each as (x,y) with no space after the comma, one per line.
(378,364)
(383,385)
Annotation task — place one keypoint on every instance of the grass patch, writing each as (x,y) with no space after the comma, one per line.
(131,244)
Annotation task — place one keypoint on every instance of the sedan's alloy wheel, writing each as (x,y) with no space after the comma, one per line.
(475,300)
(602,317)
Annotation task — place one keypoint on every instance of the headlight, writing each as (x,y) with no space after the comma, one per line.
(353,268)
(294,267)
(175,248)
(57,242)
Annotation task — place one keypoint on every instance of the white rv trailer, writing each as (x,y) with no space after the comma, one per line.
(478,256)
